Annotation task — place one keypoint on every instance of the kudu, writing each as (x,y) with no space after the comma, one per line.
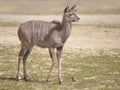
(51,35)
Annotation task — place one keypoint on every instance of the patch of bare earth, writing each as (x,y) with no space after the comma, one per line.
(85,35)
(82,37)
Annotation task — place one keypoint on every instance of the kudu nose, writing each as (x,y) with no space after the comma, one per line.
(78,18)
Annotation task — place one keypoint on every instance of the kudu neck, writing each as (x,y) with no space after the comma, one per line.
(66,28)
(66,22)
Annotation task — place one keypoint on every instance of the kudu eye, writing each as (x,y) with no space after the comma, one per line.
(70,14)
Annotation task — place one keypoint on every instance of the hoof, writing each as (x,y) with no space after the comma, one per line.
(73,79)
(18,78)
(60,82)
(26,79)
(48,81)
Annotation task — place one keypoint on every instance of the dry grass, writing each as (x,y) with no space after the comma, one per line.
(91,72)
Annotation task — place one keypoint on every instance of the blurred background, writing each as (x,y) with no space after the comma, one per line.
(98,27)
(42,7)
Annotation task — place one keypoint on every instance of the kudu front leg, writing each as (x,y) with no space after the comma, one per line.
(53,58)
(59,53)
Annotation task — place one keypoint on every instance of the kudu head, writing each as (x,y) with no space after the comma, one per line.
(69,14)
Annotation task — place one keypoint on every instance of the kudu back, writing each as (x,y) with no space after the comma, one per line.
(51,35)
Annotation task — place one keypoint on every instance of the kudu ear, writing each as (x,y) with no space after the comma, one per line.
(74,8)
(66,9)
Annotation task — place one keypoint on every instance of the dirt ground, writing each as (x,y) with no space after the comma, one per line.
(82,37)
(84,19)
(93,31)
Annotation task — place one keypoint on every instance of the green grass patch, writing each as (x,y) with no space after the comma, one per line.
(10,23)
(91,72)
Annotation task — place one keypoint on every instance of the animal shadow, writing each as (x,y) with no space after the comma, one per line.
(7,78)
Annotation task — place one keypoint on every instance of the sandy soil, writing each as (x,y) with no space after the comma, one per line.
(82,37)
(85,35)
(85,19)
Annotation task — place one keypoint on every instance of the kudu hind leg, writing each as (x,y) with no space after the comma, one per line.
(20,58)
(24,63)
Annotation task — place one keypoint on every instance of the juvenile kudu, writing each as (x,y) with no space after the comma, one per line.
(51,35)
